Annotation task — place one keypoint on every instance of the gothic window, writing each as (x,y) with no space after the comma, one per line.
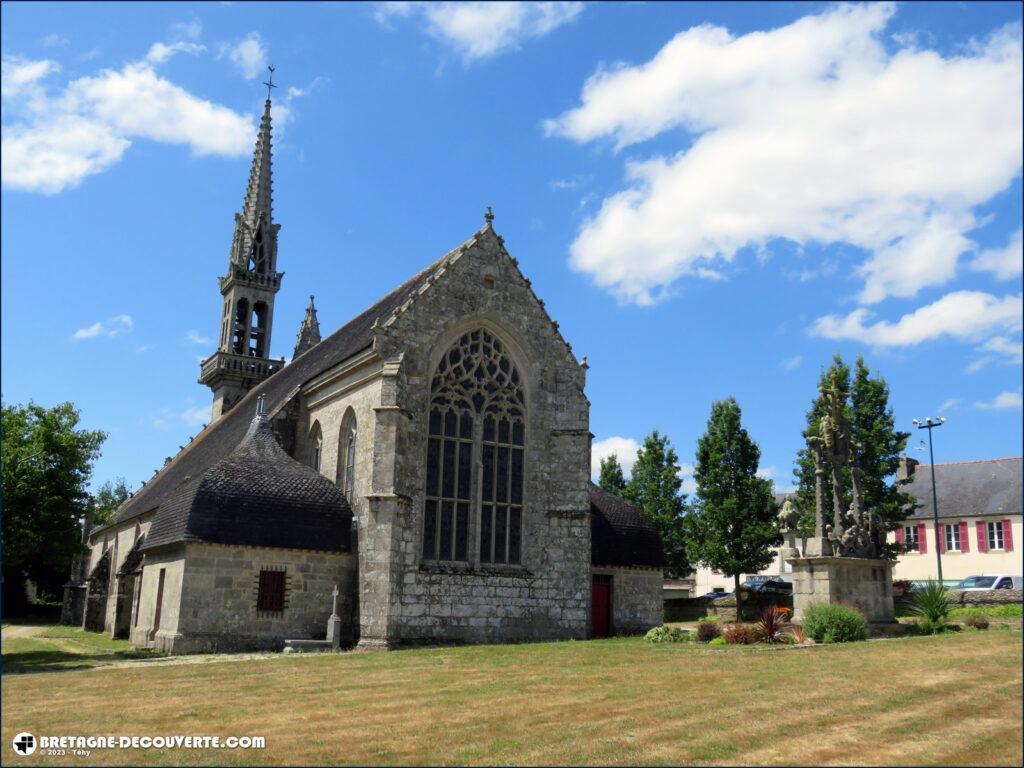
(476,434)
(258,330)
(347,454)
(241,318)
(316,446)
(257,253)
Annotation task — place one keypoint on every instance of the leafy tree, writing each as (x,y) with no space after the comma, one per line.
(733,527)
(873,428)
(111,495)
(47,461)
(655,487)
(612,479)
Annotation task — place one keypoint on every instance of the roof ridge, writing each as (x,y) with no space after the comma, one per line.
(973,461)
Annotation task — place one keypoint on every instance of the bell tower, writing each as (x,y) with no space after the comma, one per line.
(242,359)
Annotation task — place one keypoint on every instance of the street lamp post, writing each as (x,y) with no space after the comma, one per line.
(930,424)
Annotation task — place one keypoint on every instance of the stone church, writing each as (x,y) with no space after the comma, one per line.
(430,459)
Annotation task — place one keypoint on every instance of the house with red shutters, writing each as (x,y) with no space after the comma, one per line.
(980,519)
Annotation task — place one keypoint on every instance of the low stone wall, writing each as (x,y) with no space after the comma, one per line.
(693,608)
(988,597)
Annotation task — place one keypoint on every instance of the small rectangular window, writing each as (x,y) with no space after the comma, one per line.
(910,538)
(995,535)
(952,537)
(270,597)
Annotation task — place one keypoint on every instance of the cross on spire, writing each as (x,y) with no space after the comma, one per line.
(270,83)
(489,216)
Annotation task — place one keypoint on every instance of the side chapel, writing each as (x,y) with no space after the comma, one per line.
(430,458)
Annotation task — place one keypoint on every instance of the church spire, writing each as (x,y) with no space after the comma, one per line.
(258,194)
(242,359)
(309,331)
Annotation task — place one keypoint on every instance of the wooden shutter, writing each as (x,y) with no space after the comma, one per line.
(940,537)
(922,539)
(899,535)
(1007,536)
(982,530)
(964,543)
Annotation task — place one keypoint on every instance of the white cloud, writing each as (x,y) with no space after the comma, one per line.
(623,448)
(1003,401)
(56,140)
(144,348)
(248,54)
(187,30)
(948,405)
(998,349)
(811,132)
(115,326)
(161,52)
(964,315)
(480,30)
(1005,263)
(54,40)
(791,363)
(195,337)
(18,75)
(196,416)
(767,473)
(689,486)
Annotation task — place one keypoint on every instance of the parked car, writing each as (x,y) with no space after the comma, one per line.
(768,585)
(714,594)
(983,583)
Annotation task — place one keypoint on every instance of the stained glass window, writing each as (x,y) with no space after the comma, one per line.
(477,410)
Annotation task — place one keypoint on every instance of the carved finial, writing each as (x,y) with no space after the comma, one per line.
(489,216)
(583,363)
(270,83)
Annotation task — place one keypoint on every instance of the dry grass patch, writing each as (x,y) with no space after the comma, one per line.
(599,702)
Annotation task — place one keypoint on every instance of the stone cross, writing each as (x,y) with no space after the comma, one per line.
(334,608)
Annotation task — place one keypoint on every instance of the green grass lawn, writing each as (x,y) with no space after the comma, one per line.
(952,699)
(39,648)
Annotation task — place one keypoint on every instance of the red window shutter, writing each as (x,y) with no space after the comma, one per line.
(965,545)
(922,539)
(899,535)
(1007,536)
(982,536)
(940,536)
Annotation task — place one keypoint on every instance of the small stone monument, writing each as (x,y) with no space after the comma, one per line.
(842,562)
(334,633)
(334,623)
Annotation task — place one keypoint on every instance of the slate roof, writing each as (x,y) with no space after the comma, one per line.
(969,488)
(621,534)
(257,496)
(221,437)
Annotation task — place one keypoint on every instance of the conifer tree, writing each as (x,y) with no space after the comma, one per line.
(733,526)
(612,479)
(654,486)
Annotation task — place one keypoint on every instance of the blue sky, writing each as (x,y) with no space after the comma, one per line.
(711,199)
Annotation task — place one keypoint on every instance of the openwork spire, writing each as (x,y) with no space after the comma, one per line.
(309,331)
(258,197)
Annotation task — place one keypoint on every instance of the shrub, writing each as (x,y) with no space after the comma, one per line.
(798,634)
(833,623)
(931,602)
(665,634)
(928,627)
(773,621)
(716,641)
(977,622)
(903,586)
(740,634)
(708,631)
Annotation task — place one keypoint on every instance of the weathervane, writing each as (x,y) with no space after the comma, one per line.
(489,216)
(270,83)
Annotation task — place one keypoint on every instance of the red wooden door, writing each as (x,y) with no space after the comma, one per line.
(601,607)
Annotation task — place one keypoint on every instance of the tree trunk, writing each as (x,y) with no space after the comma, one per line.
(736,591)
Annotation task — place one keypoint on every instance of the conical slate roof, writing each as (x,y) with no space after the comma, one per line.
(621,534)
(256,496)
